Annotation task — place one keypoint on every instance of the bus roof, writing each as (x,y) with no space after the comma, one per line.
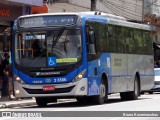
(107,18)
(117,20)
(129,24)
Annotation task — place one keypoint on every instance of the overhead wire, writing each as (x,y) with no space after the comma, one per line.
(151,4)
(116,8)
(129,3)
(116,12)
(126,9)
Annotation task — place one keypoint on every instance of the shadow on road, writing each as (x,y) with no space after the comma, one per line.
(75,104)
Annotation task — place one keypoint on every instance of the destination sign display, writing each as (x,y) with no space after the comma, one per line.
(51,20)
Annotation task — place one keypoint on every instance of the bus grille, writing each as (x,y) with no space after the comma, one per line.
(40,91)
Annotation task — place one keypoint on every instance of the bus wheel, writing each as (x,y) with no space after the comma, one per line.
(132,95)
(41,102)
(100,99)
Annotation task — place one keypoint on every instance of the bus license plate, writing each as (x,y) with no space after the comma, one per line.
(48,88)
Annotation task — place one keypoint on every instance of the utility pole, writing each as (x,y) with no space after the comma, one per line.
(143,11)
(93,5)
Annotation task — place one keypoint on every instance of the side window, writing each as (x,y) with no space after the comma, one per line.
(138,41)
(91,38)
(147,43)
(111,43)
(120,39)
(130,45)
(102,40)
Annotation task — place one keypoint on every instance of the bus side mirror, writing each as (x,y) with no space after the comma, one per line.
(92,42)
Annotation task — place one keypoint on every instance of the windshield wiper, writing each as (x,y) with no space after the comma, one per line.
(55,39)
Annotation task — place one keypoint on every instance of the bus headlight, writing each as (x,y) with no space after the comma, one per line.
(18,79)
(17,91)
(79,76)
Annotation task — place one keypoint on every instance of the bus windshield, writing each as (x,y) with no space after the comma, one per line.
(35,48)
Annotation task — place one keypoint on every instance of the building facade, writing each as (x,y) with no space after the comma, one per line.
(130,9)
(9,11)
(142,11)
(152,17)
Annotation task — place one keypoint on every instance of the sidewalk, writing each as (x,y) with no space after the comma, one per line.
(26,102)
(31,101)
(16,103)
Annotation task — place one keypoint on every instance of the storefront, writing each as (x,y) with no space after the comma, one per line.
(9,11)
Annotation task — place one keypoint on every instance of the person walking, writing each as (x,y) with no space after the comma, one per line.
(4,75)
(10,82)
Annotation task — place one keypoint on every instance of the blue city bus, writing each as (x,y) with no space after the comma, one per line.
(80,55)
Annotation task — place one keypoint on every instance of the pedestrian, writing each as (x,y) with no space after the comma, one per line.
(4,75)
(10,82)
(1,79)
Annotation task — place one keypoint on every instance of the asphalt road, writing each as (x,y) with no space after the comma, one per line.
(115,109)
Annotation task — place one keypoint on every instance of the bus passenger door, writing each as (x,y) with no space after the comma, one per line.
(93,86)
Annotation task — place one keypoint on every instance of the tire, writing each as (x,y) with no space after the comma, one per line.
(133,95)
(103,97)
(41,102)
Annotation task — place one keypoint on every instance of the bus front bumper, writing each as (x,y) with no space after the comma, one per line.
(71,89)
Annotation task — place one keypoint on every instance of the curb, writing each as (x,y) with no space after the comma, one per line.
(7,105)
(19,104)
(25,103)
(2,106)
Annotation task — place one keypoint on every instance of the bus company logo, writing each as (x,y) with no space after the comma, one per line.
(48,80)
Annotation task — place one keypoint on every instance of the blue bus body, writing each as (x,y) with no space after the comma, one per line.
(84,77)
